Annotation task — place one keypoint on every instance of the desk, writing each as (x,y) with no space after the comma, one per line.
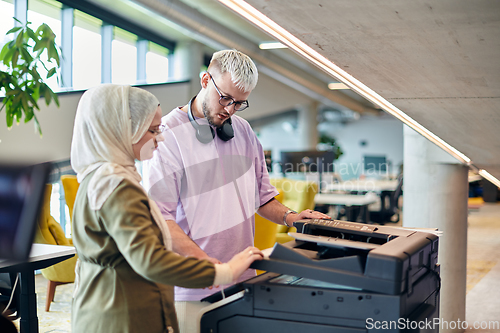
(41,256)
(364,186)
(348,201)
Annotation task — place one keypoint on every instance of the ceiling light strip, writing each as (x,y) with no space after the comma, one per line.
(271,45)
(486,175)
(263,22)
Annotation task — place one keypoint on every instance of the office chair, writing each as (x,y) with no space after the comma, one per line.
(298,196)
(70,185)
(389,211)
(265,230)
(48,231)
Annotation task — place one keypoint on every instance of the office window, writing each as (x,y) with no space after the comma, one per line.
(6,23)
(124,57)
(6,20)
(86,51)
(86,57)
(156,64)
(48,12)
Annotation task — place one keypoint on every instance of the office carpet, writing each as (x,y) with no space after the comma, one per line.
(483,277)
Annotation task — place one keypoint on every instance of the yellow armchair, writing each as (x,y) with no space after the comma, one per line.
(70,185)
(265,230)
(48,231)
(298,195)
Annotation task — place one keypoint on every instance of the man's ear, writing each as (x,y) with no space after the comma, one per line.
(205,80)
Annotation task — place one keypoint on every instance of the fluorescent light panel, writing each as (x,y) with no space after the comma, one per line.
(269,26)
(337,86)
(272,45)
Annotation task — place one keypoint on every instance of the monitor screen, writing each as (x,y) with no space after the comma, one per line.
(375,164)
(21,197)
(307,161)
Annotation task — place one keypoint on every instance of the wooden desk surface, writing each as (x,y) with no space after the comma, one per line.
(41,252)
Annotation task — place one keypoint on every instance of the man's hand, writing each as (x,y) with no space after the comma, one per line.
(309,214)
(305,214)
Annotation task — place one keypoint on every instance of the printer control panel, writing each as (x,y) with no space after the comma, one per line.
(344,230)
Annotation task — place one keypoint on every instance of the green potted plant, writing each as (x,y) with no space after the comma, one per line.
(327,142)
(20,79)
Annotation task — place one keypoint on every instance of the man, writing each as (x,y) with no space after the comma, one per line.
(207,183)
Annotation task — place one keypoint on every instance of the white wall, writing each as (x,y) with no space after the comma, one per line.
(271,96)
(383,135)
(21,144)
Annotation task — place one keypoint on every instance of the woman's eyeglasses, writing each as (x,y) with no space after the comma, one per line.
(158,131)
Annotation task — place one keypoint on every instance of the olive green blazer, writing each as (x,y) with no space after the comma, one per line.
(125,275)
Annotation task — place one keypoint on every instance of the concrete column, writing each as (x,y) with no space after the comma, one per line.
(308,126)
(186,64)
(435,195)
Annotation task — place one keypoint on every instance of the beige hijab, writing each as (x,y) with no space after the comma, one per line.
(109,120)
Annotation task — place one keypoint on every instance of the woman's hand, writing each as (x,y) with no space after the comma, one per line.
(242,261)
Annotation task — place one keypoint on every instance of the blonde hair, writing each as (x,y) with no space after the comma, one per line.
(243,71)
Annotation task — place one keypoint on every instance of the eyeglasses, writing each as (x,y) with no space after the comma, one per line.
(158,131)
(228,101)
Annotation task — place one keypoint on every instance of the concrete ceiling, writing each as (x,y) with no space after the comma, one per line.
(437,60)
(210,23)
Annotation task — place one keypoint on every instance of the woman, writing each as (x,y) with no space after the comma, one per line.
(127,271)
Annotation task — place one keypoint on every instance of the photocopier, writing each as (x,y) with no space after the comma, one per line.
(336,276)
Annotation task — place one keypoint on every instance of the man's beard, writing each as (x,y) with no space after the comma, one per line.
(208,116)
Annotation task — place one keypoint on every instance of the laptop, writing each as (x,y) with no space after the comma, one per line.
(22,189)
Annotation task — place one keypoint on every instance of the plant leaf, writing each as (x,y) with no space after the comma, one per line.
(13,30)
(19,114)
(19,40)
(36,93)
(15,57)
(51,72)
(24,103)
(13,92)
(56,99)
(10,118)
(33,100)
(28,114)
(8,56)
(48,96)
(31,33)
(4,51)
(55,55)
(26,55)
(37,125)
